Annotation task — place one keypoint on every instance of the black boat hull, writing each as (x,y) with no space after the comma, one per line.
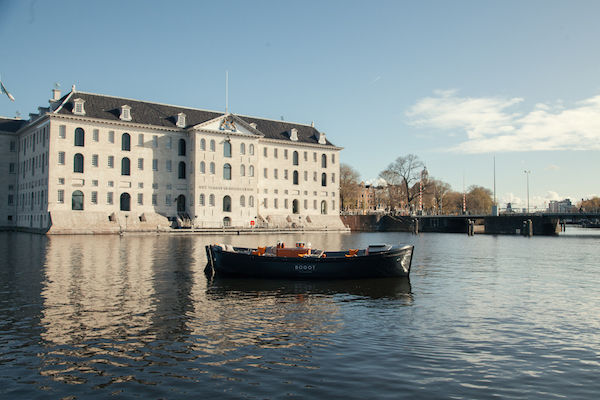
(395,262)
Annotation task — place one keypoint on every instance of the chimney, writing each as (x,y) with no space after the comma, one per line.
(55,95)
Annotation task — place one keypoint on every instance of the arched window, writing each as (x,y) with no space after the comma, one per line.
(295,206)
(202,167)
(243,148)
(227,172)
(323,207)
(251,170)
(226,221)
(181,170)
(212,145)
(126,142)
(78,163)
(323,179)
(251,150)
(242,201)
(295,178)
(79,137)
(181,147)
(212,168)
(323,161)
(227,149)
(211,200)
(125,202)
(295,158)
(242,170)
(227,204)
(202,199)
(125,166)
(202,144)
(77,200)
(251,201)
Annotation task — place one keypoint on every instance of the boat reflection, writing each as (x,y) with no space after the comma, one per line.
(389,288)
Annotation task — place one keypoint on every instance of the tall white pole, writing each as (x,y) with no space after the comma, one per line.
(527,172)
(226,92)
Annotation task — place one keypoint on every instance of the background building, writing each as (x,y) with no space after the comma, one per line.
(96,163)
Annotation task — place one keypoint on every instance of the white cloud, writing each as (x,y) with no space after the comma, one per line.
(491,124)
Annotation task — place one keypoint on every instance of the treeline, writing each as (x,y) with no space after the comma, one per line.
(405,179)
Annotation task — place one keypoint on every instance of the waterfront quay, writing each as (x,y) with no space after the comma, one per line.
(547,224)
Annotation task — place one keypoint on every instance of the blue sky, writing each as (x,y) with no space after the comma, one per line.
(455,83)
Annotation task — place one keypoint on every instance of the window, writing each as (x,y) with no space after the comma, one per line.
(243,148)
(323,179)
(154,199)
(140,199)
(305,176)
(125,166)
(242,170)
(61,181)
(295,207)
(227,149)
(168,199)
(181,170)
(323,161)
(211,200)
(285,154)
(11,168)
(94,197)
(61,196)
(285,204)
(77,200)
(95,135)
(168,166)
(201,202)
(266,173)
(79,110)
(285,174)
(242,201)
(295,178)
(251,170)
(227,204)
(141,164)
(266,203)
(251,201)
(295,158)
(181,147)
(275,153)
(251,150)
(202,167)
(275,174)
(265,152)
(78,163)
(109,197)
(111,137)
(275,203)
(212,145)
(13,146)
(95,182)
(323,207)
(140,185)
(314,156)
(212,168)
(202,144)
(305,204)
(111,183)
(125,202)
(11,199)
(125,113)
(126,142)
(332,178)
(305,156)
(333,158)
(62,131)
(227,172)
(315,176)
(154,164)
(61,157)
(155,141)
(141,139)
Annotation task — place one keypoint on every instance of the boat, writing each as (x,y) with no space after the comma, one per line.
(304,262)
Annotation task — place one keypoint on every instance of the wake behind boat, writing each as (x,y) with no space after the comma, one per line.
(376,261)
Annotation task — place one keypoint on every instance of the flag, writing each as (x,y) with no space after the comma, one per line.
(10,96)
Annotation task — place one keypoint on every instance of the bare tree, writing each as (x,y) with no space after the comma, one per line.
(438,190)
(349,186)
(405,171)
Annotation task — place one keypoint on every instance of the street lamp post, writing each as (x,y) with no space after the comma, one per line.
(527,172)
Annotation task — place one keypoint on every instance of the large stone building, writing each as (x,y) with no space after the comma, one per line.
(96,163)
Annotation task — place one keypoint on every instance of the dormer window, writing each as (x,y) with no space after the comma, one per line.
(125,113)
(78,108)
(294,134)
(253,125)
(180,120)
(321,138)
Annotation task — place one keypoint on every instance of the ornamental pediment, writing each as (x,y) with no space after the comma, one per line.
(228,124)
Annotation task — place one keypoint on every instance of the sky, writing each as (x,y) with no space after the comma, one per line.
(464,85)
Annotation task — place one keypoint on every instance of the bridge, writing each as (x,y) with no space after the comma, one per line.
(527,224)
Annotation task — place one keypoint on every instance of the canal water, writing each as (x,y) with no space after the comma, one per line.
(84,317)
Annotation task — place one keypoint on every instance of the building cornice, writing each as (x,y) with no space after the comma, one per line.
(301,144)
(117,123)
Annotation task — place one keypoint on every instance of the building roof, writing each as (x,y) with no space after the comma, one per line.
(163,115)
(11,124)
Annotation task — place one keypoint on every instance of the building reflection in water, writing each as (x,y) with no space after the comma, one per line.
(140,307)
